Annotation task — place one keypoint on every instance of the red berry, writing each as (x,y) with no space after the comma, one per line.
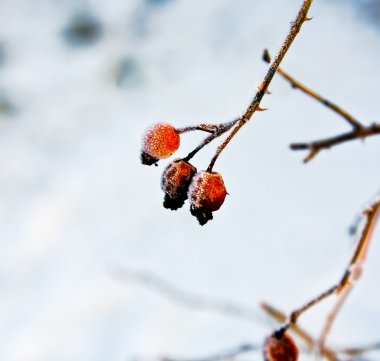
(280,347)
(206,193)
(160,141)
(175,182)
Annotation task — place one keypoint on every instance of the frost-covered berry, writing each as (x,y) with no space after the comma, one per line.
(280,347)
(175,183)
(206,194)
(160,141)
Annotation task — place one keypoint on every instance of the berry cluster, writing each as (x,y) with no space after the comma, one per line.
(181,180)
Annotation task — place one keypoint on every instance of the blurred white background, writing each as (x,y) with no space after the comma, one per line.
(79,83)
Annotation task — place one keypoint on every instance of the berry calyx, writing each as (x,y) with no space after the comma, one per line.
(160,141)
(280,347)
(175,183)
(206,194)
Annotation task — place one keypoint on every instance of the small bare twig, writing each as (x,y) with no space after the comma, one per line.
(359,131)
(216,131)
(316,146)
(280,317)
(355,267)
(329,353)
(165,288)
(350,277)
(297,85)
(264,86)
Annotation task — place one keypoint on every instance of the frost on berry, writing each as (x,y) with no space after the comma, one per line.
(206,194)
(175,183)
(160,141)
(280,347)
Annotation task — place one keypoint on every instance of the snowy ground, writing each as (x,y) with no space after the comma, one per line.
(76,203)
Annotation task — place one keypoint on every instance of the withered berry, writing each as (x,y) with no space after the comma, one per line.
(206,194)
(280,347)
(175,183)
(160,141)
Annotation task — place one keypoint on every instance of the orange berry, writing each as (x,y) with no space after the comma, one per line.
(160,141)
(206,193)
(280,347)
(175,182)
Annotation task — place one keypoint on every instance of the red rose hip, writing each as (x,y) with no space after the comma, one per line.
(280,347)
(160,141)
(175,183)
(206,194)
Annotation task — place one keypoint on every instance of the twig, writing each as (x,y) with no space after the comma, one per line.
(297,85)
(316,146)
(217,131)
(224,355)
(280,317)
(359,131)
(355,268)
(263,87)
(165,288)
(350,277)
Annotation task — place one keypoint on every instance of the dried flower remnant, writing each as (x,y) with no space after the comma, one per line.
(175,183)
(280,347)
(206,194)
(160,141)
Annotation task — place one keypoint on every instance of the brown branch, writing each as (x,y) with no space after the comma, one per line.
(297,85)
(328,352)
(316,146)
(355,268)
(263,87)
(217,131)
(350,277)
(359,131)
(280,317)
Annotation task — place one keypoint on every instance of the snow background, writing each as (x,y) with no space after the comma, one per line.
(75,202)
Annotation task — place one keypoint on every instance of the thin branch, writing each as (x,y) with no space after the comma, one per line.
(224,355)
(264,86)
(280,317)
(350,276)
(168,290)
(218,130)
(297,85)
(355,268)
(328,352)
(359,131)
(316,146)
(209,128)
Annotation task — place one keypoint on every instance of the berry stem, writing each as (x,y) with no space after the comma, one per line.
(263,87)
(219,129)
(209,128)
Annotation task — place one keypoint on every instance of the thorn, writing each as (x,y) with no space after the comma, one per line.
(308,19)
(261,109)
(260,88)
